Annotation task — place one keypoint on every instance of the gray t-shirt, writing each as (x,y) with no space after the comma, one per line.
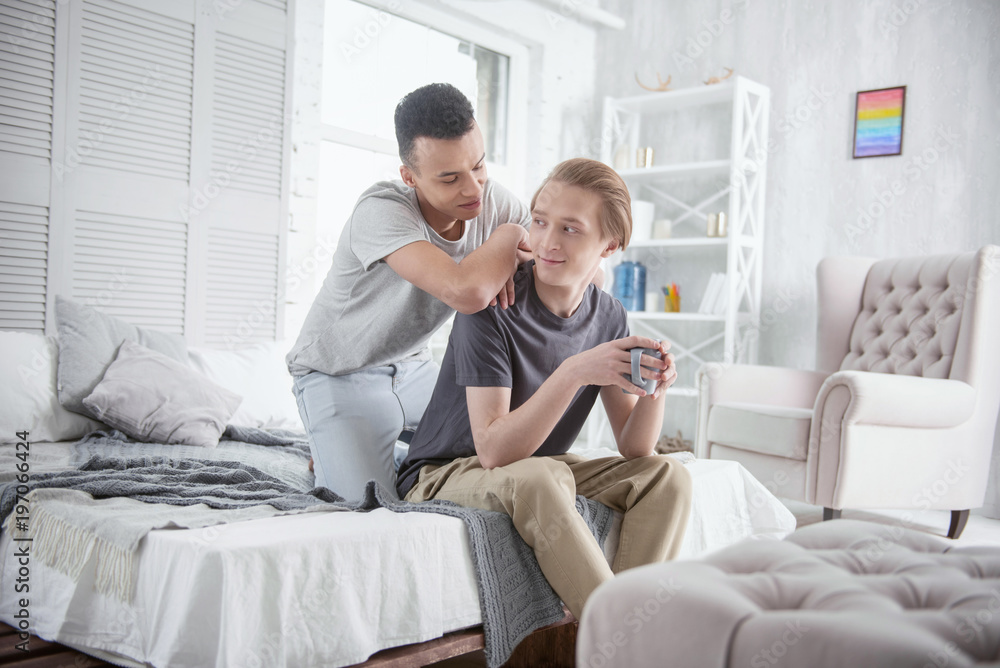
(517,348)
(366,315)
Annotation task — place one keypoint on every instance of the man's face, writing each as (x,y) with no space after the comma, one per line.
(449,176)
(566,237)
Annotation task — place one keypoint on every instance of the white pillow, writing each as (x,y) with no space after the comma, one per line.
(156,399)
(260,375)
(28,399)
(88,342)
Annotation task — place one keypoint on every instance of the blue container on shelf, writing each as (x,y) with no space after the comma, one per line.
(630,285)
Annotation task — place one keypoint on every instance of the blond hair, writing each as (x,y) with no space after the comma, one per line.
(598,178)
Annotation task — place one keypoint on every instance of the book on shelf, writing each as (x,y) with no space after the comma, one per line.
(722,301)
(711,294)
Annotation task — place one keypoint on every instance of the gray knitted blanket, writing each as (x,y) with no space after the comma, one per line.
(514,596)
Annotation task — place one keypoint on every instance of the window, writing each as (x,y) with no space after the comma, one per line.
(372,56)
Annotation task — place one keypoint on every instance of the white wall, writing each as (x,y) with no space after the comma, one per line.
(815,56)
(305,255)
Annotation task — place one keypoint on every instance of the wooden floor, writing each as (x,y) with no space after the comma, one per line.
(551,646)
(41,654)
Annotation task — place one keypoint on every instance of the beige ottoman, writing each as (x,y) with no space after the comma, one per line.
(840,593)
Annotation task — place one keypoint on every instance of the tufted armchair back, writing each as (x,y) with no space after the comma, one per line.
(927,316)
(911,312)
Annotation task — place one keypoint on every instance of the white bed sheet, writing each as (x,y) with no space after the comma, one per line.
(319,589)
(727,505)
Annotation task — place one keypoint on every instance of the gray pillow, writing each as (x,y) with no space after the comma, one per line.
(88,341)
(155,399)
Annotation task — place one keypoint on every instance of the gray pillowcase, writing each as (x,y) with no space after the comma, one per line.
(155,399)
(88,341)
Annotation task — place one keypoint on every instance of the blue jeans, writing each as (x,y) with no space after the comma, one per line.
(354,421)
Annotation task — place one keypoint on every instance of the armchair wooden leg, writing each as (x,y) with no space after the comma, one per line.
(958,521)
(831,514)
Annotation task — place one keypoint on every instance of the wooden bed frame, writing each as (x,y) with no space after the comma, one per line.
(553,645)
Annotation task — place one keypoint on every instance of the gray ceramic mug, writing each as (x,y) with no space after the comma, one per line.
(648,384)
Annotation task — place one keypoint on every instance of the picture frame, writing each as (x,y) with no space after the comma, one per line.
(878,122)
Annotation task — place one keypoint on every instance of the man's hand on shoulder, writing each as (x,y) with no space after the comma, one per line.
(505,297)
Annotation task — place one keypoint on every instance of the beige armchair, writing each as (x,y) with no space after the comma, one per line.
(902,408)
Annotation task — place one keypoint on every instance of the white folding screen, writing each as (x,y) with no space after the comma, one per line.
(27,80)
(143,163)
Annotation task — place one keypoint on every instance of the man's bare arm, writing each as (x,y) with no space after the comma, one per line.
(503,436)
(467,286)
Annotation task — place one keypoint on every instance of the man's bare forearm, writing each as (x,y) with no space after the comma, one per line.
(518,434)
(642,429)
(485,271)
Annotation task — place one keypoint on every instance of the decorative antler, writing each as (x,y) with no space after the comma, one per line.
(715,80)
(659,89)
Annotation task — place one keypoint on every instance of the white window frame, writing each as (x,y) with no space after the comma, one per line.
(511,175)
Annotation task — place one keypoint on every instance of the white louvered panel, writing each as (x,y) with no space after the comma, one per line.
(132,268)
(277,4)
(241,287)
(136,77)
(24,250)
(27,48)
(248,113)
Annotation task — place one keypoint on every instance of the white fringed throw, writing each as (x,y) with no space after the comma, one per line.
(68,526)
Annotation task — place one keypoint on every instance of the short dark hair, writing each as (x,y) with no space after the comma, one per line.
(438,111)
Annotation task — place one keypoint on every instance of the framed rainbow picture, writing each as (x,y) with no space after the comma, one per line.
(878,122)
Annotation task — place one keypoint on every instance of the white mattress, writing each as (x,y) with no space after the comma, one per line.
(318,589)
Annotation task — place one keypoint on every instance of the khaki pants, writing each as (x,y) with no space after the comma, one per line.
(539,494)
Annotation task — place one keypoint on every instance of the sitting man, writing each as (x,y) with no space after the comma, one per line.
(516,386)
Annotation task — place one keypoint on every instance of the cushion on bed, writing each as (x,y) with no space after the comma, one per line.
(88,342)
(28,399)
(258,373)
(153,398)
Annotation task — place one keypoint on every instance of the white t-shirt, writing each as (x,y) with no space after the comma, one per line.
(366,315)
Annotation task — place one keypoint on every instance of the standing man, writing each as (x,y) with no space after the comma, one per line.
(445,238)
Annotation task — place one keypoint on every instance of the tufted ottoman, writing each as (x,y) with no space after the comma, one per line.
(840,593)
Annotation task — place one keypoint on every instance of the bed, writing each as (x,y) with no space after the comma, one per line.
(326,588)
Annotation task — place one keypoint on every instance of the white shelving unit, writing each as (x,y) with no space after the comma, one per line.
(735,185)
